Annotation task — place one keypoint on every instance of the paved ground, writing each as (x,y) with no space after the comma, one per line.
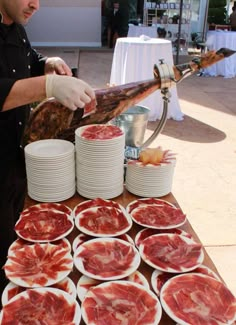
(205,143)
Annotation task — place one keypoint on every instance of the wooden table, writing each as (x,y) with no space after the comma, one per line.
(146,270)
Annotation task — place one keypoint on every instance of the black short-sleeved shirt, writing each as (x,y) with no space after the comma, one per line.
(17,61)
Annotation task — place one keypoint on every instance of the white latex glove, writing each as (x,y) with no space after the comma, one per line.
(57,65)
(69,91)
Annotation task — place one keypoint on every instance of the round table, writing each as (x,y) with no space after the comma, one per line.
(216,40)
(133,60)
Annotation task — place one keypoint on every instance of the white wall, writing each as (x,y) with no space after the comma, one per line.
(66,23)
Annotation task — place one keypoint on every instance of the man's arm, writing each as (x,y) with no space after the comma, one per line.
(25,91)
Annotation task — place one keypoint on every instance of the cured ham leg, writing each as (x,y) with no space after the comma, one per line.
(52,120)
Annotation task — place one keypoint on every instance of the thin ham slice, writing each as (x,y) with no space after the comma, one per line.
(198,299)
(121,302)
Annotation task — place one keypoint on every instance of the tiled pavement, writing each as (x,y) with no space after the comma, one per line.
(205,143)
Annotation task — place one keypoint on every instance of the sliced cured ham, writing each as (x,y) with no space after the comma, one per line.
(147,201)
(171,253)
(198,299)
(85,283)
(159,278)
(121,302)
(38,265)
(103,221)
(101,132)
(11,290)
(147,232)
(158,216)
(106,258)
(41,306)
(44,225)
(46,206)
(21,243)
(98,202)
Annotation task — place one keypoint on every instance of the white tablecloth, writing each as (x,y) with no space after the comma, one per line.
(133,60)
(215,41)
(136,31)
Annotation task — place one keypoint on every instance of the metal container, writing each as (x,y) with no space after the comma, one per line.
(133,123)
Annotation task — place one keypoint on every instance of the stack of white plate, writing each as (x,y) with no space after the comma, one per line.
(150,180)
(99,165)
(50,169)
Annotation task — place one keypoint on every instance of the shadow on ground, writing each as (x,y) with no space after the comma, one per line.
(190,130)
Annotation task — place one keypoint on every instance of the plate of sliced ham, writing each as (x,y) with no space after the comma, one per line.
(171,253)
(106,258)
(147,232)
(41,306)
(98,202)
(38,265)
(103,221)
(12,289)
(121,302)
(158,216)
(44,225)
(159,278)
(198,299)
(85,283)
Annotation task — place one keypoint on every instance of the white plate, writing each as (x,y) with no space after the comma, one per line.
(32,300)
(12,289)
(159,278)
(20,243)
(85,283)
(49,148)
(44,226)
(81,238)
(211,299)
(103,221)
(94,203)
(110,264)
(143,201)
(158,217)
(35,265)
(147,232)
(101,131)
(46,206)
(109,296)
(171,253)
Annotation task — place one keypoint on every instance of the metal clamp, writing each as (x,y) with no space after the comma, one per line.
(166,74)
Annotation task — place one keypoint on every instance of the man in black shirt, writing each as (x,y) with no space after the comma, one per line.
(25,77)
